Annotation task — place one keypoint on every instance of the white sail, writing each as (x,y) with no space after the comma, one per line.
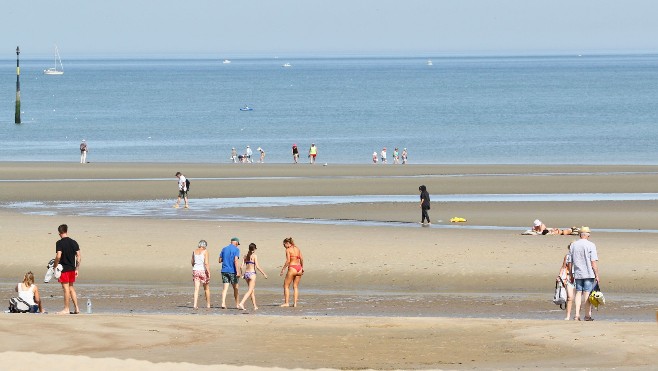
(59,68)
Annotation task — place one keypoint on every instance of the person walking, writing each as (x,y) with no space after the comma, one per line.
(396,156)
(312,153)
(566,279)
(583,262)
(295,264)
(250,264)
(228,258)
(234,155)
(424,205)
(383,155)
(404,156)
(374,157)
(201,272)
(83,152)
(182,190)
(262,155)
(249,153)
(67,253)
(295,153)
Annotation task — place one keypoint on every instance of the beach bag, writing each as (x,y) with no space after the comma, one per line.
(560,296)
(596,297)
(187,184)
(18,305)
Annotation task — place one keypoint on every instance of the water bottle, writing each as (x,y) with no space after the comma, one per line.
(88,306)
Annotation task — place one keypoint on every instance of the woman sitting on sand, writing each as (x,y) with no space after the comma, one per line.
(249,266)
(295,264)
(567,281)
(201,272)
(29,292)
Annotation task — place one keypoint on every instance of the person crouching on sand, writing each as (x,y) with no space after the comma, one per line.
(295,264)
(201,272)
(249,265)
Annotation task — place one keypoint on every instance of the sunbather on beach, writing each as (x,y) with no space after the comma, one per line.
(538,226)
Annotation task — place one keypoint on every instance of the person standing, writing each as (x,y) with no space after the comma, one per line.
(295,264)
(201,272)
(83,152)
(383,154)
(234,155)
(295,153)
(68,255)
(396,156)
(262,155)
(583,262)
(374,157)
(424,205)
(312,153)
(182,190)
(228,258)
(249,153)
(404,156)
(250,264)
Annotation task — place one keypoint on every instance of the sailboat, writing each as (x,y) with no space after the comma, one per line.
(59,68)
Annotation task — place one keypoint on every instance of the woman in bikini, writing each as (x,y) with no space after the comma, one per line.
(201,272)
(295,264)
(249,266)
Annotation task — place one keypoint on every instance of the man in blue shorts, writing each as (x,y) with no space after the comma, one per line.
(582,261)
(228,258)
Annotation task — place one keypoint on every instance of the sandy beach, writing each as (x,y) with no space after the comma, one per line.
(380,291)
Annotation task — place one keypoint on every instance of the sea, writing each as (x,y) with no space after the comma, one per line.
(569,109)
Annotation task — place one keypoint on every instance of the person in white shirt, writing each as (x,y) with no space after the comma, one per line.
(182,190)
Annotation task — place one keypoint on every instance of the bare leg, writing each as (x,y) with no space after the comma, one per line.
(67,297)
(578,302)
(206,288)
(197,283)
(74,297)
(286,287)
(588,306)
(295,288)
(236,295)
(252,283)
(224,291)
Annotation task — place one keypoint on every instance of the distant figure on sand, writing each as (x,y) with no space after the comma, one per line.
(295,264)
(295,153)
(182,190)
(228,258)
(424,205)
(538,226)
(404,156)
(383,154)
(83,152)
(312,153)
(29,292)
(583,262)
(262,155)
(396,156)
(234,155)
(374,157)
(249,265)
(69,256)
(201,272)
(566,279)
(249,153)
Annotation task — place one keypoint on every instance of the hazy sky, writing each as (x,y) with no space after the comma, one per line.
(224,29)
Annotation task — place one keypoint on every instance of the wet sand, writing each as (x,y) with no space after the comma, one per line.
(411,296)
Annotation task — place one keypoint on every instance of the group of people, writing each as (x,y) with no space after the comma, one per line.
(397,157)
(247,156)
(538,227)
(232,270)
(579,275)
(68,257)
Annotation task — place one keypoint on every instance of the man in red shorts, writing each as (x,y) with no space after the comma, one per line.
(68,255)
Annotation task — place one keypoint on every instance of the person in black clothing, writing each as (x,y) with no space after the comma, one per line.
(424,204)
(68,255)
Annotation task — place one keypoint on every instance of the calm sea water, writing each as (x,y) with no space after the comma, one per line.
(570,109)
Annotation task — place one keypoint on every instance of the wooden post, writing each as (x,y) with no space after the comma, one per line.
(17,116)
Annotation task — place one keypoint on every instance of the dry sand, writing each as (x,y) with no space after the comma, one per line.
(378,296)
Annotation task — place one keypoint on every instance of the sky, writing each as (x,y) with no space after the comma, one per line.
(239,28)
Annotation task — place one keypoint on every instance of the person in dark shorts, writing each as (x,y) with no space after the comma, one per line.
(424,205)
(68,255)
(228,258)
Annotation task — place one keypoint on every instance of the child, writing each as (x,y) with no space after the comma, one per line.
(249,266)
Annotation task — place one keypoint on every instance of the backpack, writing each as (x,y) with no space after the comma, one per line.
(187,184)
(83,146)
(18,305)
(560,296)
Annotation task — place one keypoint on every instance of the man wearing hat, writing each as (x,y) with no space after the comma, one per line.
(582,261)
(228,258)
(83,152)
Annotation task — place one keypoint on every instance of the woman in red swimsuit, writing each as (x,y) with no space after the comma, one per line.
(295,264)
